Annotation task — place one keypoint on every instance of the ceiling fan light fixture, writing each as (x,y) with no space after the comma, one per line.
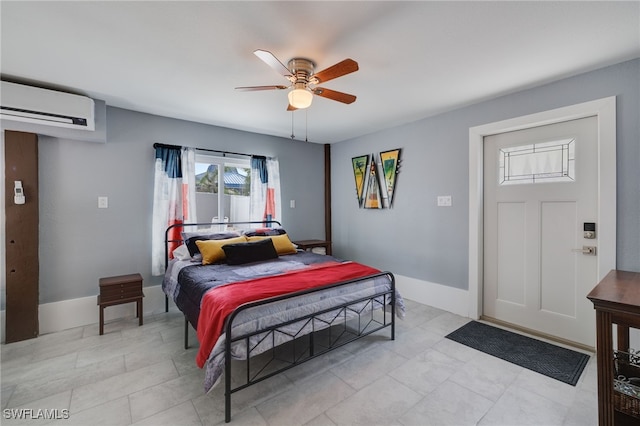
(301,74)
(300,98)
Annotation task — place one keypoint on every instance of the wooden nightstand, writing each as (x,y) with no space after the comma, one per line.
(118,290)
(308,244)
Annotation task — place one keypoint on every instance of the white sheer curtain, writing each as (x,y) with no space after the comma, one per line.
(189,185)
(174,196)
(265,202)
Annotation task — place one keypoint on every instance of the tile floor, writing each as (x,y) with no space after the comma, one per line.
(143,376)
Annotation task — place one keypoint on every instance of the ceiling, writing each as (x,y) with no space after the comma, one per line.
(416,59)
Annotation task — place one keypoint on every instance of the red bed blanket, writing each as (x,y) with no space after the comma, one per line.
(219,302)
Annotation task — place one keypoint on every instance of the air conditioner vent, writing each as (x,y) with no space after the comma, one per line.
(48,107)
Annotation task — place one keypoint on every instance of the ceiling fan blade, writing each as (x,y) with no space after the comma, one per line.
(338,70)
(345,98)
(291,108)
(251,88)
(273,62)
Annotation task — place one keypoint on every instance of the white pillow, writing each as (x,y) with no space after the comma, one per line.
(182,253)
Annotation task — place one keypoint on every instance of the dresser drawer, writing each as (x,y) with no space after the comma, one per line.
(109,294)
(120,287)
(131,279)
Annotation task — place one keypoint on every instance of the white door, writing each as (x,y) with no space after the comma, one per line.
(540,188)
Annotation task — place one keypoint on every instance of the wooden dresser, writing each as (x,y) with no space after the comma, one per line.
(120,289)
(616,300)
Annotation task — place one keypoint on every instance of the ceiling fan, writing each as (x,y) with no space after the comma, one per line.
(304,80)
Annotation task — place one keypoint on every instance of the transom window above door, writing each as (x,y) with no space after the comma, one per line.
(537,163)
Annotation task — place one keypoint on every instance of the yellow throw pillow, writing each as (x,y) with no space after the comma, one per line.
(282,243)
(211,250)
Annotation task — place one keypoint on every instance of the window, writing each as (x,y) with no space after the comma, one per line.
(225,199)
(537,163)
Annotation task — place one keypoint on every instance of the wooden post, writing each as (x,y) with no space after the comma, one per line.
(22,272)
(327,195)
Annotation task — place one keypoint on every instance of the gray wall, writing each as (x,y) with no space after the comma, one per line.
(80,243)
(420,240)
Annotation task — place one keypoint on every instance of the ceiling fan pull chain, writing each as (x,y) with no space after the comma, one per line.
(306,125)
(292,135)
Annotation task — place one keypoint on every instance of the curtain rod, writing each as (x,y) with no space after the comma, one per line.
(163,145)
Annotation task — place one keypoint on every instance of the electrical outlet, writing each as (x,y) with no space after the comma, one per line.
(444,200)
(103,202)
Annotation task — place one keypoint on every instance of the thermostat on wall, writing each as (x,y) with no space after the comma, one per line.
(18,192)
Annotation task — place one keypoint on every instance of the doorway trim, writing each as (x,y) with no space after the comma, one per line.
(605,111)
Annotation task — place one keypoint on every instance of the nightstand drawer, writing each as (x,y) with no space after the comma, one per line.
(110,293)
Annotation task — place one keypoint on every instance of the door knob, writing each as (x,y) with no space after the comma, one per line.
(588,250)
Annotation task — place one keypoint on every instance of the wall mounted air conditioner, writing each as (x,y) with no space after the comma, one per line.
(47,107)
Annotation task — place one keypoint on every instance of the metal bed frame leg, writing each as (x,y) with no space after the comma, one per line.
(227,377)
(186,333)
(393,307)
(186,323)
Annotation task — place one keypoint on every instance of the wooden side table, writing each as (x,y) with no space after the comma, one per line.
(120,289)
(309,244)
(616,300)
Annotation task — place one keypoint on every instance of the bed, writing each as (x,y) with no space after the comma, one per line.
(252,296)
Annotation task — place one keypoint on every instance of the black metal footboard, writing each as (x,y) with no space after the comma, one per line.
(319,333)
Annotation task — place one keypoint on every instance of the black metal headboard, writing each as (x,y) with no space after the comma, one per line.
(167,240)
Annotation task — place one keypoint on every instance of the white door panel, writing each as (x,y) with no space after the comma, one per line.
(532,275)
(511,252)
(558,263)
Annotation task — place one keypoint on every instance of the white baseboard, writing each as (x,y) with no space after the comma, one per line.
(58,316)
(439,296)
